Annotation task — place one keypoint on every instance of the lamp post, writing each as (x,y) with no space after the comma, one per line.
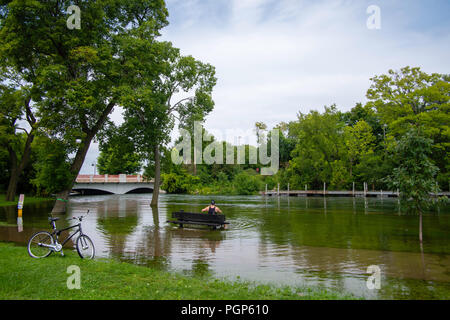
(94,165)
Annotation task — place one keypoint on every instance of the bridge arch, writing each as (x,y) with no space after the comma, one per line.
(91,191)
(140,190)
(113,188)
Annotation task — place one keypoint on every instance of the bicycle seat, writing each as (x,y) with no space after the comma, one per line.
(52,219)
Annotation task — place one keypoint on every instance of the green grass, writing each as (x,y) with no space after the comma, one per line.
(22,277)
(6,224)
(28,200)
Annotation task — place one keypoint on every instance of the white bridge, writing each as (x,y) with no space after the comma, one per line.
(112,184)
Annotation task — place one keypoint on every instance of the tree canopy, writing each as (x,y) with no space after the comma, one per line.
(78,76)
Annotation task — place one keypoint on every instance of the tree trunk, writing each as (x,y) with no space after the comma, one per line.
(155,194)
(17,168)
(63,196)
(14,178)
(420,228)
(12,186)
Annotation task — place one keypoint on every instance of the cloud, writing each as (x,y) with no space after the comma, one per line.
(292,56)
(275,58)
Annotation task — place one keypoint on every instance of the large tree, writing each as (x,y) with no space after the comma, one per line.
(78,75)
(319,148)
(182,92)
(410,96)
(18,126)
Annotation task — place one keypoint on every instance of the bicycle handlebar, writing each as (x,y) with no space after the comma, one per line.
(80,217)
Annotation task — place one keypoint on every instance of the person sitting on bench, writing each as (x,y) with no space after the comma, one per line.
(212,209)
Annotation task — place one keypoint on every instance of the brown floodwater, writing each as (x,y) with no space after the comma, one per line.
(324,242)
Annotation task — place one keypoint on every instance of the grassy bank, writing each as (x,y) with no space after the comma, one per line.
(22,277)
(28,200)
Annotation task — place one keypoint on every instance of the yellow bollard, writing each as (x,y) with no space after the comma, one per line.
(19,213)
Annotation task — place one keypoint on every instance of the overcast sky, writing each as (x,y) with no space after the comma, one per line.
(274,58)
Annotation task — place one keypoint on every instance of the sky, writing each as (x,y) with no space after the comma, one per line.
(276,58)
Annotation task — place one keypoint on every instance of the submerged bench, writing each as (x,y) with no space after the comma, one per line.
(213,220)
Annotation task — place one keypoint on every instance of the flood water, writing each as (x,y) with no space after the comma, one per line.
(325,242)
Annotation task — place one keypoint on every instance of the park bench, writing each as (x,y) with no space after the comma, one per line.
(213,220)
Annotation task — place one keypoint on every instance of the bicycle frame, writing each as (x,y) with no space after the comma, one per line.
(56,233)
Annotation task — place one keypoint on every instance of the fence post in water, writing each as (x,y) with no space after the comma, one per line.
(288,190)
(365,189)
(353,189)
(324,188)
(266,190)
(278,190)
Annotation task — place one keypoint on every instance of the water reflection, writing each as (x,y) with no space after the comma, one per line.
(314,241)
(117,220)
(153,246)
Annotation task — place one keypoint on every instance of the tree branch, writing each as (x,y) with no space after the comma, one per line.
(176,104)
(103,117)
(18,128)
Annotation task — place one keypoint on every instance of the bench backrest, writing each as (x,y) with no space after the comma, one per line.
(201,217)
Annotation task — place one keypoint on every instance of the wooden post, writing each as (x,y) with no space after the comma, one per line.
(365,189)
(353,192)
(278,190)
(324,188)
(266,190)
(288,189)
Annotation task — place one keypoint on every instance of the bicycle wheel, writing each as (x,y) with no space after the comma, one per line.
(85,247)
(37,242)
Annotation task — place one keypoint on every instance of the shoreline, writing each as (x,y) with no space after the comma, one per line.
(28,200)
(25,278)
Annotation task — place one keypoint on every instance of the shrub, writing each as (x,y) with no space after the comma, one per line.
(177,183)
(246,184)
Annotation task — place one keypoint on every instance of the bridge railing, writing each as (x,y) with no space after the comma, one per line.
(119,178)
